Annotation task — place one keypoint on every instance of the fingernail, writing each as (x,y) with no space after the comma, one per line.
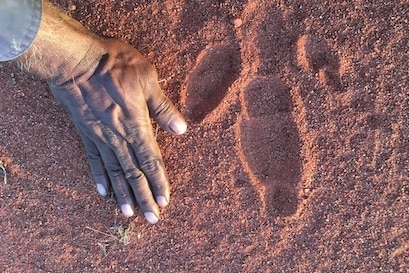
(162,202)
(127,210)
(178,126)
(151,217)
(101,190)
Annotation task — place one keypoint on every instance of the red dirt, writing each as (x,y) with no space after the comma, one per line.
(296,158)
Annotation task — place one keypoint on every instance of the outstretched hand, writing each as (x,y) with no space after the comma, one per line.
(110,91)
(111,105)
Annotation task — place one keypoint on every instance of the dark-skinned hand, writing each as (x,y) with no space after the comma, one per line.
(111,108)
(111,92)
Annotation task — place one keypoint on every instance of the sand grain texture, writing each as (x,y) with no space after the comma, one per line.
(296,158)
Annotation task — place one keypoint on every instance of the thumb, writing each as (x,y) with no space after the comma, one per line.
(166,114)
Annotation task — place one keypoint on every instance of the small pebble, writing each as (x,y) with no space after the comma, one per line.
(237,22)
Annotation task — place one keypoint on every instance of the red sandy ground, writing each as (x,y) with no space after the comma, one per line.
(296,158)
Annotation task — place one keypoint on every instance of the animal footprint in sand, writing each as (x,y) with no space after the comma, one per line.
(270,144)
(216,69)
(315,56)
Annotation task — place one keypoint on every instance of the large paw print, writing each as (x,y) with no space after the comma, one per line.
(270,144)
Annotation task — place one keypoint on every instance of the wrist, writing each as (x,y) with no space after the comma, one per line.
(62,50)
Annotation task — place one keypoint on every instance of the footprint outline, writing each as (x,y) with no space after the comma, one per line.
(276,165)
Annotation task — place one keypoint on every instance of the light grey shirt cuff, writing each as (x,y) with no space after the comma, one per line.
(19,24)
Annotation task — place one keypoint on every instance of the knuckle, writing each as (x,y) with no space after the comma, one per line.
(135,131)
(163,110)
(134,177)
(151,166)
(110,137)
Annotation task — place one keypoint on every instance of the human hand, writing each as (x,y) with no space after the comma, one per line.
(111,108)
(110,91)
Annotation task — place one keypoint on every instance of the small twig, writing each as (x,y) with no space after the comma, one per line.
(3,170)
(104,248)
(117,233)
(120,234)
(104,252)
(113,237)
